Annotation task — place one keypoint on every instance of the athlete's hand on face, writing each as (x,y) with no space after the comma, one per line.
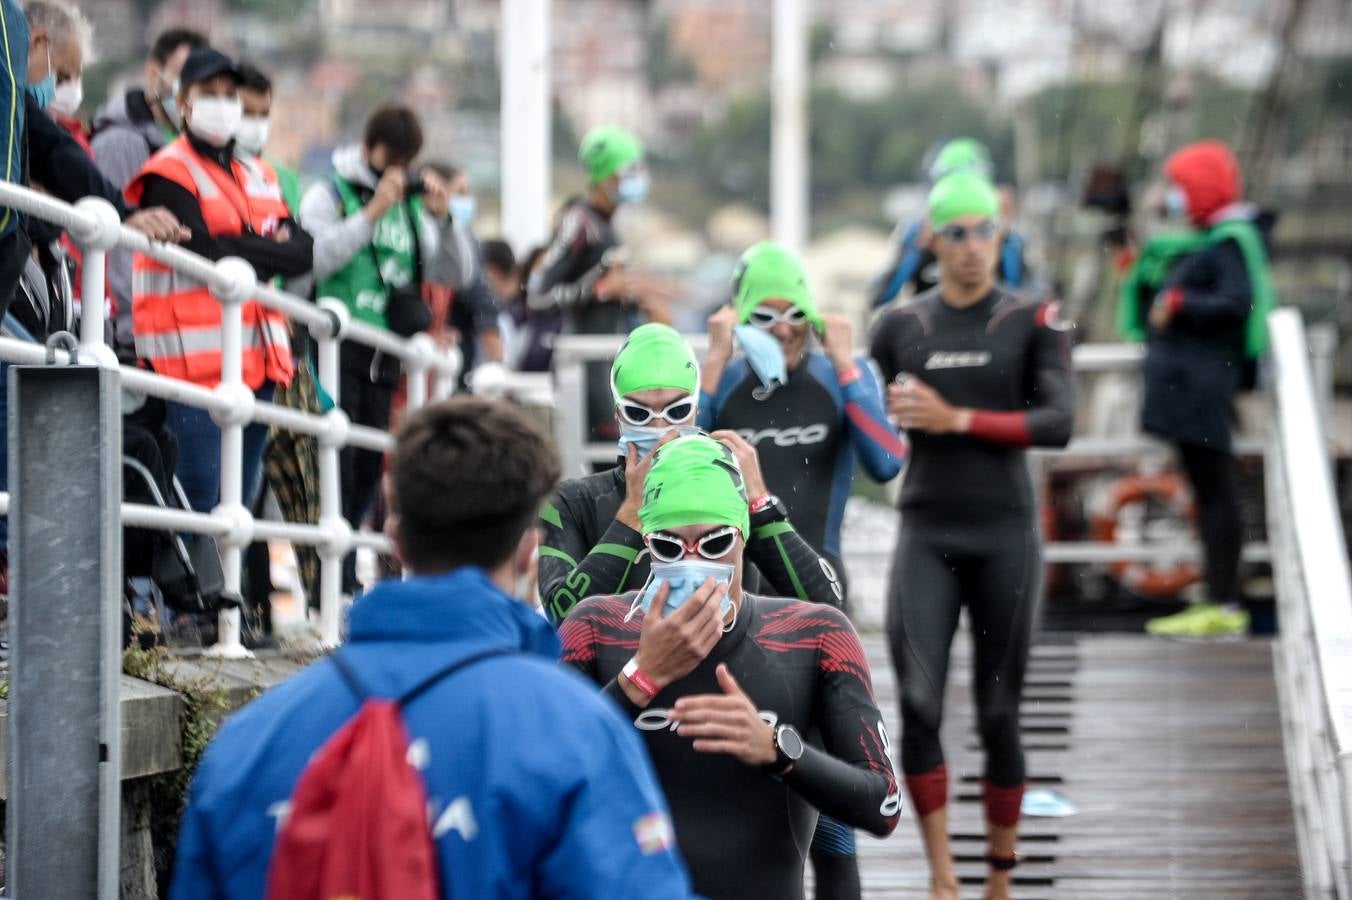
(388,192)
(838,341)
(720,333)
(727,723)
(747,461)
(635,473)
(669,647)
(915,405)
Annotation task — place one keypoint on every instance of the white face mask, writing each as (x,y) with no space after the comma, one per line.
(252,134)
(69,94)
(215,119)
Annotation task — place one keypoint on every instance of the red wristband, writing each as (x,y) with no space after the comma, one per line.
(847,376)
(639,679)
(761,502)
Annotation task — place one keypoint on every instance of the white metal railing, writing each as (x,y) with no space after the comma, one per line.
(1313,654)
(94,224)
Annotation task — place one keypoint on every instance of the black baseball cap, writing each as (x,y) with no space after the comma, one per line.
(205,62)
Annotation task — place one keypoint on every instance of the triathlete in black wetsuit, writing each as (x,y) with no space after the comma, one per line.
(582,273)
(757,712)
(986,374)
(592,545)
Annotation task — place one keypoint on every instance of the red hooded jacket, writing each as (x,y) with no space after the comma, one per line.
(1209,175)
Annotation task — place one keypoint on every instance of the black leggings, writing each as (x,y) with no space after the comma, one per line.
(993,568)
(1212,475)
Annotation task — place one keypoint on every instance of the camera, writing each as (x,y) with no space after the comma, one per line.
(414,185)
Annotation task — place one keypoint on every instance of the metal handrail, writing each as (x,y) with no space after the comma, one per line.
(1313,654)
(94,224)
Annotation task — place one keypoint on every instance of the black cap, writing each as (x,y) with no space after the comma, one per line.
(205,62)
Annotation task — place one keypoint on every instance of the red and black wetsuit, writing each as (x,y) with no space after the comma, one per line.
(968,532)
(742,832)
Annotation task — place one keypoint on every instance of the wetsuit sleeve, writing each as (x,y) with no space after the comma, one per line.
(560,285)
(615,836)
(1050,416)
(580,641)
(711,405)
(1226,296)
(851,777)
(787,562)
(570,571)
(885,346)
(899,271)
(880,449)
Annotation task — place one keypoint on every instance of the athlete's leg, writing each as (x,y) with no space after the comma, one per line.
(922,617)
(1001,593)
(834,861)
(1212,475)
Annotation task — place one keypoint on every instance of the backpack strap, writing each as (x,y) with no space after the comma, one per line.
(345,671)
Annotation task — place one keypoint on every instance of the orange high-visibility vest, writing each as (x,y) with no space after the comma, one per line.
(175,319)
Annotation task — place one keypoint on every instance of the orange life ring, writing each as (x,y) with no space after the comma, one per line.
(1138,576)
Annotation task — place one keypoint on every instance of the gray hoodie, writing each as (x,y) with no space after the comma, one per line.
(125,134)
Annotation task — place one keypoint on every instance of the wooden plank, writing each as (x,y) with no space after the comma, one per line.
(1172,755)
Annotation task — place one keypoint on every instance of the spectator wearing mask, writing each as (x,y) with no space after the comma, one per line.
(127,130)
(376,228)
(71,51)
(464,305)
(232,207)
(255,126)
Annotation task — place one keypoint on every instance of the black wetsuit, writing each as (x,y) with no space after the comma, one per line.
(586,553)
(584,247)
(742,833)
(968,531)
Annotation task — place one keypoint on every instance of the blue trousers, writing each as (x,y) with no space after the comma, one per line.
(199,453)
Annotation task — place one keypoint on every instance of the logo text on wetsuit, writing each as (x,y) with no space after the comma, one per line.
(786,437)
(957,359)
(662,719)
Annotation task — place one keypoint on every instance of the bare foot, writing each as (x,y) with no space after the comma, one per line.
(944,892)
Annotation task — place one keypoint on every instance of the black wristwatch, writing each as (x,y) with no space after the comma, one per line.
(788,749)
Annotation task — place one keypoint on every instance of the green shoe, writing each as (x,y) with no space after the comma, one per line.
(1201,620)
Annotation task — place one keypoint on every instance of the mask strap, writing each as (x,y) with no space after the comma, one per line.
(736,610)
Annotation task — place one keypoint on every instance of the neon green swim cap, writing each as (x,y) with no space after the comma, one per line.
(655,356)
(961,155)
(963,194)
(768,271)
(694,480)
(606,150)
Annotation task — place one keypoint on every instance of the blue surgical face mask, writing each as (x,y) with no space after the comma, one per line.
(633,188)
(685,577)
(645,437)
(463,207)
(765,356)
(1176,202)
(45,90)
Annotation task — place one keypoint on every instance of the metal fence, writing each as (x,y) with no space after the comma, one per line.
(94,225)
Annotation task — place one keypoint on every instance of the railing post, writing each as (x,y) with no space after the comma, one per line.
(65,623)
(416,371)
(570,424)
(339,542)
(94,246)
(234,284)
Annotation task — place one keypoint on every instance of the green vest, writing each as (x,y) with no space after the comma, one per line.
(289,182)
(394,243)
(1162,252)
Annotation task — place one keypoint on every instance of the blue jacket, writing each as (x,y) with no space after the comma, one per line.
(13,94)
(546,790)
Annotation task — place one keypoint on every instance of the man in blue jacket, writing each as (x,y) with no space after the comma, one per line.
(537,786)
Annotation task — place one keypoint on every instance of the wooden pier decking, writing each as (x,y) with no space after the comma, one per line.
(1171,752)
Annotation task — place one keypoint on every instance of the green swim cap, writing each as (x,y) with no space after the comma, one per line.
(768,271)
(694,480)
(961,155)
(655,356)
(606,150)
(963,194)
